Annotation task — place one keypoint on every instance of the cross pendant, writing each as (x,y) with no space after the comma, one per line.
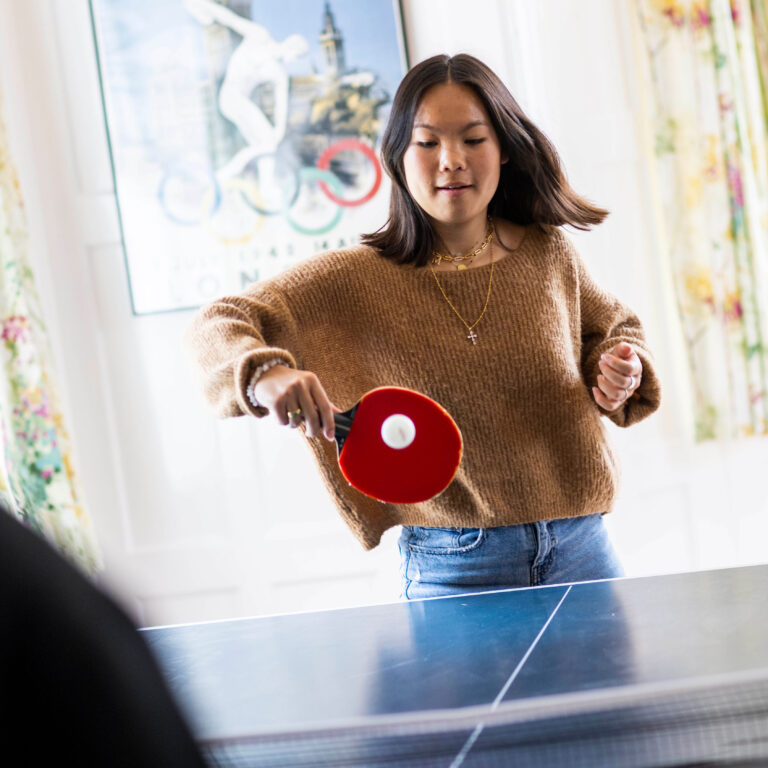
(472,337)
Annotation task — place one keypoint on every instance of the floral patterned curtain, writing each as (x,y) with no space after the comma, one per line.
(707,66)
(36,475)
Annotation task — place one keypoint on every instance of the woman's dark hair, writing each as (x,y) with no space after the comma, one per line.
(532,187)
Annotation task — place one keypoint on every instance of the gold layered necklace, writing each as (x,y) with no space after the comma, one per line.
(457,258)
(472,335)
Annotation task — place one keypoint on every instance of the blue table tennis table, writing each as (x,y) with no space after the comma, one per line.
(655,671)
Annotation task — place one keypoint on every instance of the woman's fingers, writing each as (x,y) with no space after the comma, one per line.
(603,401)
(285,407)
(297,397)
(620,373)
(317,408)
(614,377)
(310,414)
(607,402)
(619,377)
(611,394)
(611,365)
(325,410)
(294,414)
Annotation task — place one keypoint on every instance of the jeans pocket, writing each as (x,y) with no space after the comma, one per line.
(445,541)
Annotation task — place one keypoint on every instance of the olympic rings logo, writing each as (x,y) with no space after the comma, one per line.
(324,163)
(190,198)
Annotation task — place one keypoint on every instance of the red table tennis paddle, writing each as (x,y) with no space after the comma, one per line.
(398,446)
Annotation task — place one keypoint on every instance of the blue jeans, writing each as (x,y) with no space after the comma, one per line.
(452,561)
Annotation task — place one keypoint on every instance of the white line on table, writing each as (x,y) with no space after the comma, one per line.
(459,759)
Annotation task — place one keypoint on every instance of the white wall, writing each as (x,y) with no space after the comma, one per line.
(202,519)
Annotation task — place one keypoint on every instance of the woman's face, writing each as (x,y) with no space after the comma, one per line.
(453,162)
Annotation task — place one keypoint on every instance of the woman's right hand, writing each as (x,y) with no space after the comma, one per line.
(294,396)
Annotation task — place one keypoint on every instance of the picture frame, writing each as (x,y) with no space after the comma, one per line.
(243,135)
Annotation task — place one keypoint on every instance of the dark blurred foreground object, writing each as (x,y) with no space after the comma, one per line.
(77,682)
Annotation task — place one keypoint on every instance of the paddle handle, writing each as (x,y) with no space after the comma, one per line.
(343,423)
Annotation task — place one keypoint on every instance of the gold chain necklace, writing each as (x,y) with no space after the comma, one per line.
(437,257)
(472,336)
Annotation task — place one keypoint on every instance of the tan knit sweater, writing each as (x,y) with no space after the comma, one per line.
(534,444)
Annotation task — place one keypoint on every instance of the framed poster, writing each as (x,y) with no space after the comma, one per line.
(243,135)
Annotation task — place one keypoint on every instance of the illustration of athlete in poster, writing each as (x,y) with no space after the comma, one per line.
(257,61)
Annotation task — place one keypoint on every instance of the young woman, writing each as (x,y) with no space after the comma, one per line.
(471,294)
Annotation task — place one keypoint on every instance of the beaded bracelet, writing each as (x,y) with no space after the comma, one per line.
(257,374)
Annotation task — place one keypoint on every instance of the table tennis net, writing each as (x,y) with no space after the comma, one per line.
(707,723)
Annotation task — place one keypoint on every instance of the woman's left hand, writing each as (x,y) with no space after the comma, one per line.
(621,371)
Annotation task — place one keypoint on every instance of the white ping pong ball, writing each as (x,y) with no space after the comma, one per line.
(398,431)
